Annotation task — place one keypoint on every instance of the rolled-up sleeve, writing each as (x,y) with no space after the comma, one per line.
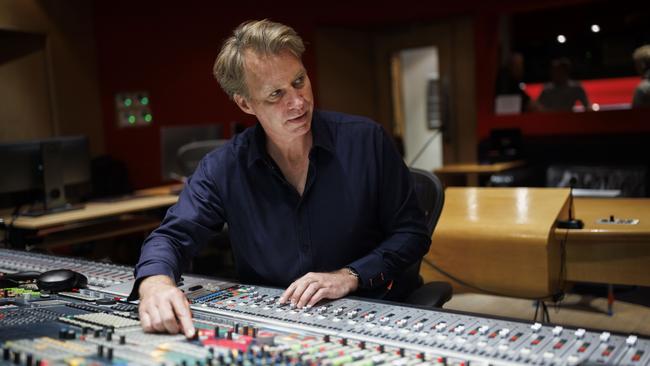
(406,236)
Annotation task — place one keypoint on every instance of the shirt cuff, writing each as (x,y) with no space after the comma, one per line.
(149,270)
(371,271)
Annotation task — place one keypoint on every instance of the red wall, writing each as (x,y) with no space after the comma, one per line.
(167,49)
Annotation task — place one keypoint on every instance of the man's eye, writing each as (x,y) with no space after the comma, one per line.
(299,81)
(275,94)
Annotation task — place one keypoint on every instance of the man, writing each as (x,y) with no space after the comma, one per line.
(641,98)
(317,201)
(562,93)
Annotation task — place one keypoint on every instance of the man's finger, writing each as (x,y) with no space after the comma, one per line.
(145,320)
(308,293)
(300,288)
(182,310)
(318,296)
(288,292)
(156,321)
(168,317)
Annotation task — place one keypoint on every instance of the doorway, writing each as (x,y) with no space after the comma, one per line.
(356,70)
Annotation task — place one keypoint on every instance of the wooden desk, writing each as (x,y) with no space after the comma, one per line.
(471,171)
(95,210)
(96,220)
(500,239)
(609,253)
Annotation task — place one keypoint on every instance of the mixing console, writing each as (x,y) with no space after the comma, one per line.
(99,275)
(244,325)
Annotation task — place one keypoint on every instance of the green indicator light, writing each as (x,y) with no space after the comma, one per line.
(144,100)
(148,117)
(131,119)
(128,102)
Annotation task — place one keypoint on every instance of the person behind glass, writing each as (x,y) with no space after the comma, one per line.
(562,93)
(318,202)
(641,98)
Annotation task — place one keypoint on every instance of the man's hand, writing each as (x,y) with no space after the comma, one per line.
(313,287)
(163,307)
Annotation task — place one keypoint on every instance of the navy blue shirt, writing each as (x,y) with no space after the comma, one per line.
(358,209)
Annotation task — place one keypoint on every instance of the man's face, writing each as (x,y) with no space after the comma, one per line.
(280,94)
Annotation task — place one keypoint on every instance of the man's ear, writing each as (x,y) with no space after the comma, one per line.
(243,104)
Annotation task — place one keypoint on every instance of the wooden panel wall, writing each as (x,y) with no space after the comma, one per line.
(72,106)
(359,81)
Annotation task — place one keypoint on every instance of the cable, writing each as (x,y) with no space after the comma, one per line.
(561,279)
(429,141)
(456,279)
(547,317)
(556,298)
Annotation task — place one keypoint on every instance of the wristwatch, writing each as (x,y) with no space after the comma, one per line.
(352,272)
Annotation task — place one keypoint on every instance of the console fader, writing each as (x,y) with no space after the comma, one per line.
(448,334)
(244,325)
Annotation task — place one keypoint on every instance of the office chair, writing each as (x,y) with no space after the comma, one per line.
(431,198)
(189,155)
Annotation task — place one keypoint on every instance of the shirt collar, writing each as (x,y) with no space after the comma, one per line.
(321,134)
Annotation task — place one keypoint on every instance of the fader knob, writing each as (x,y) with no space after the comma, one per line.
(631,340)
(536,327)
(604,336)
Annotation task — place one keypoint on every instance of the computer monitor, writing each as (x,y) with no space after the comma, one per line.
(42,172)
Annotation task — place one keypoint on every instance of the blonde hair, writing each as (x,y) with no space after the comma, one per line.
(263,37)
(642,56)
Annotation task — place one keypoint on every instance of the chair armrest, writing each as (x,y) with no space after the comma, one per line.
(434,294)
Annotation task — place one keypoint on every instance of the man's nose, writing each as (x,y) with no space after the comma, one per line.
(296,100)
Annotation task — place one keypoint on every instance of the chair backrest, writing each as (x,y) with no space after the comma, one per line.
(189,155)
(431,196)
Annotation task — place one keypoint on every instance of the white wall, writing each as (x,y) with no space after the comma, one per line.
(418,65)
